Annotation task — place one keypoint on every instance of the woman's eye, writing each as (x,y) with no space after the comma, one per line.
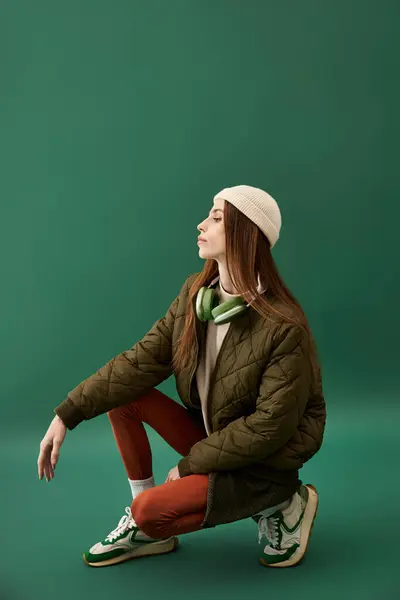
(217,219)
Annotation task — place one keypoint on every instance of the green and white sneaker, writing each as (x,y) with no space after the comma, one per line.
(125,542)
(288,531)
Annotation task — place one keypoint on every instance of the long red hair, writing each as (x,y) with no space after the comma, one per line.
(248,252)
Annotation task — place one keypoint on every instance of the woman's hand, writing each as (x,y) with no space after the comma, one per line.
(50,448)
(173,474)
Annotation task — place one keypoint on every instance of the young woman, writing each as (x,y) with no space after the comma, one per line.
(252,411)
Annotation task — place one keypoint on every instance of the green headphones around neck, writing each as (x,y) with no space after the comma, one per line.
(208,309)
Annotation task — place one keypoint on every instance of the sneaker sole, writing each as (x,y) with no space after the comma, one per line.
(308,523)
(149,549)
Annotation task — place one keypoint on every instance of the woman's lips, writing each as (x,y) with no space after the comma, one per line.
(201,241)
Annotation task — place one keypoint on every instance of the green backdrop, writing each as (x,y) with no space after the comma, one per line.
(119,121)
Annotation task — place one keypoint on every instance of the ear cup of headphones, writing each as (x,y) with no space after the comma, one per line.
(206,300)
(210,301)
(227,311)
(208,309)
(199,304)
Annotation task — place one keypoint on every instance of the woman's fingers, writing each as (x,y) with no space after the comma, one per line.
(55,453)
(41,460)
(50,448)
(44,464)
(49,471)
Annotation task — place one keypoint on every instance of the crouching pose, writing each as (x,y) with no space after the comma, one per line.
(252,413)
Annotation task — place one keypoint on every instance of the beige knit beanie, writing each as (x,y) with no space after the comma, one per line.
(258,206)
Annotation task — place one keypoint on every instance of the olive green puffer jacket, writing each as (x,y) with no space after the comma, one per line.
(266,418)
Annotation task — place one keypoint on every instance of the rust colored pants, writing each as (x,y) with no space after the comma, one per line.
(175,507)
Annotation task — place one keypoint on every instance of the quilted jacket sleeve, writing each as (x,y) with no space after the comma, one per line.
(128,375)
(282,399)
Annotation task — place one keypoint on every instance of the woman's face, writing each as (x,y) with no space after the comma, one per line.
(213,232)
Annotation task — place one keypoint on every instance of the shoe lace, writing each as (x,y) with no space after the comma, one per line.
(269,526)
(125,523)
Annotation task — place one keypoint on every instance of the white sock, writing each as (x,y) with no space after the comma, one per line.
(139,485)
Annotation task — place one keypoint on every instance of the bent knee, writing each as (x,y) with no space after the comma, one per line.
(143,514)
